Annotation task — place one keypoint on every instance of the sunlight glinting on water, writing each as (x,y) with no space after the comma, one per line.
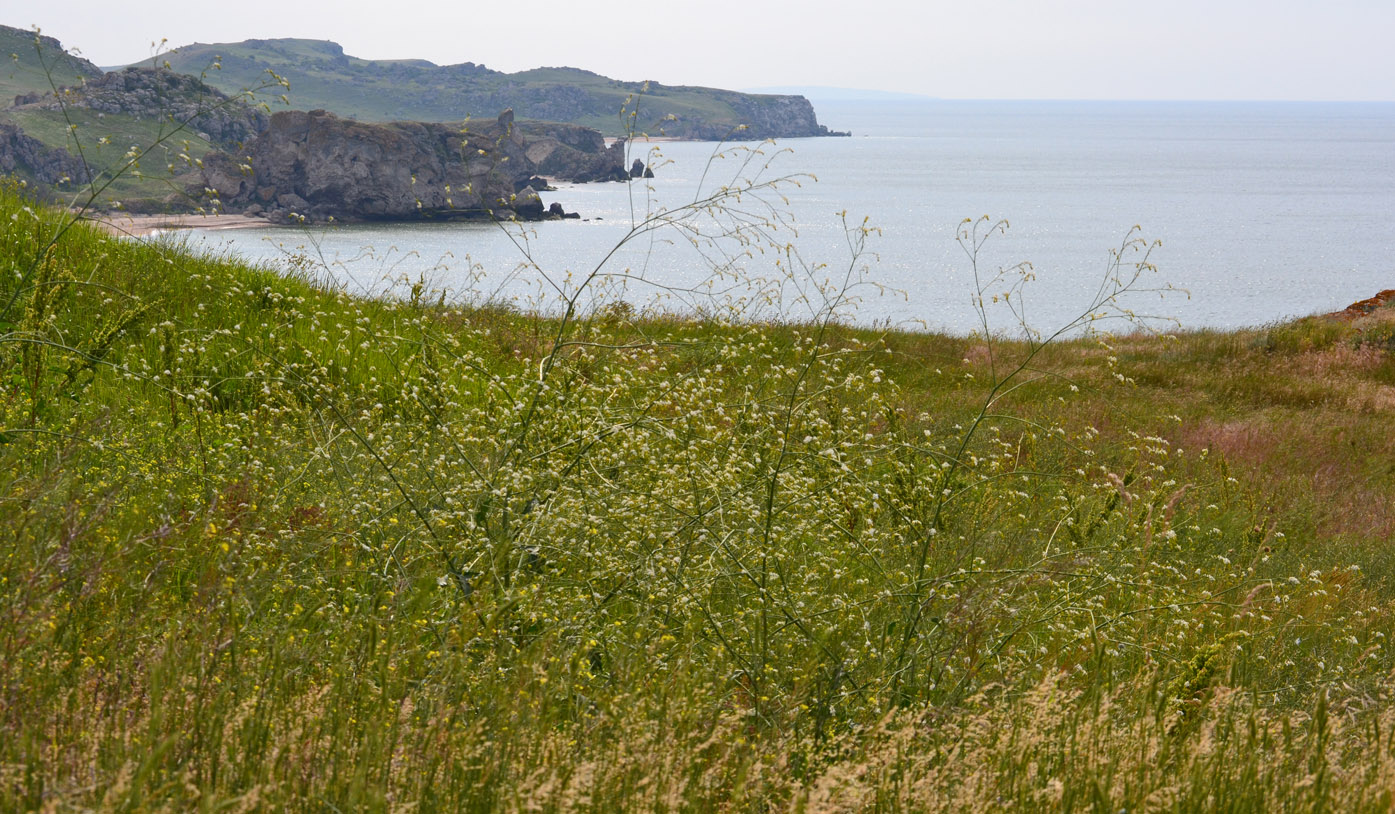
(1264,211)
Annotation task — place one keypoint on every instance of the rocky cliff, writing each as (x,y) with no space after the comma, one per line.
(164,95)
(317,165)
(750,117)
(34,63)
(314,165)
(322,76)
(569,152)
(31,159)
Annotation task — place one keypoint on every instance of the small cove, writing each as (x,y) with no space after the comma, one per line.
(1265,211)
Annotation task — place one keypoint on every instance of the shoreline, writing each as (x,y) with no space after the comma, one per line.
(123,225)
(611,140)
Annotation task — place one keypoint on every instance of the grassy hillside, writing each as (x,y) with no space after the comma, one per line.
(104,142)
(140,134)
(25,68)
(322,76)
(269,546)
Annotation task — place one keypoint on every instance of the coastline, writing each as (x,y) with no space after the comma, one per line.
(642,139)
(123,225)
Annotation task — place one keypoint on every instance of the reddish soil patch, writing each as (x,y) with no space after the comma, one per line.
(1366,307)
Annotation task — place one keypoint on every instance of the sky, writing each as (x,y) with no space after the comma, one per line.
(1009,49)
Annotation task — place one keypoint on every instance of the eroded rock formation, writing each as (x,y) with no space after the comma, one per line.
(570,152)
(156,93)
(318,166)
(32,159)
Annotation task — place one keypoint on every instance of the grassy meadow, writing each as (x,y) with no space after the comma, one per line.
(267,546)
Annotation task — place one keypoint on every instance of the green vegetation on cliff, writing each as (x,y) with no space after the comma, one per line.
(131,138)
(321,75)
(271,546)
(137,138)
(164,174)
(25,69)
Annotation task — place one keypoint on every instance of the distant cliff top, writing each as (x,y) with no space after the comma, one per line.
(322,76)
(168,97)
(25,69)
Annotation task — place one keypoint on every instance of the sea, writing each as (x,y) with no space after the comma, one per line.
(1049,214)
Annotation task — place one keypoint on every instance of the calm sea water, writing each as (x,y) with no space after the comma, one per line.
(1264,210)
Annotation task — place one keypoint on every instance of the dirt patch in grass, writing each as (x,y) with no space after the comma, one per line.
(1367,306)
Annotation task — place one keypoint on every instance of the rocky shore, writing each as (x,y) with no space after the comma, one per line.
(316,166)
(397,152)
(27,156)
(156,93)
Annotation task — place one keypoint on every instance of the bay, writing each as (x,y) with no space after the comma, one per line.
(1264,211)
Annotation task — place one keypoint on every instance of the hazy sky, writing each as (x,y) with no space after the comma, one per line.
(1009,49)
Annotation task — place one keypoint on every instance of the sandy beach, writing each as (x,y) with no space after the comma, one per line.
(145,225)
(641,139)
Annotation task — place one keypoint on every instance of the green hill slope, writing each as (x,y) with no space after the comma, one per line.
(137,134)
(321,75)
(271,547)
(27,68)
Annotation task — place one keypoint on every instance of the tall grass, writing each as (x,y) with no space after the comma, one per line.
(271,546)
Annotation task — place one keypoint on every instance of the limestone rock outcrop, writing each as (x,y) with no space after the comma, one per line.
(753,117)
(161,94)
(570,152)
(31,158)
(318,166)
